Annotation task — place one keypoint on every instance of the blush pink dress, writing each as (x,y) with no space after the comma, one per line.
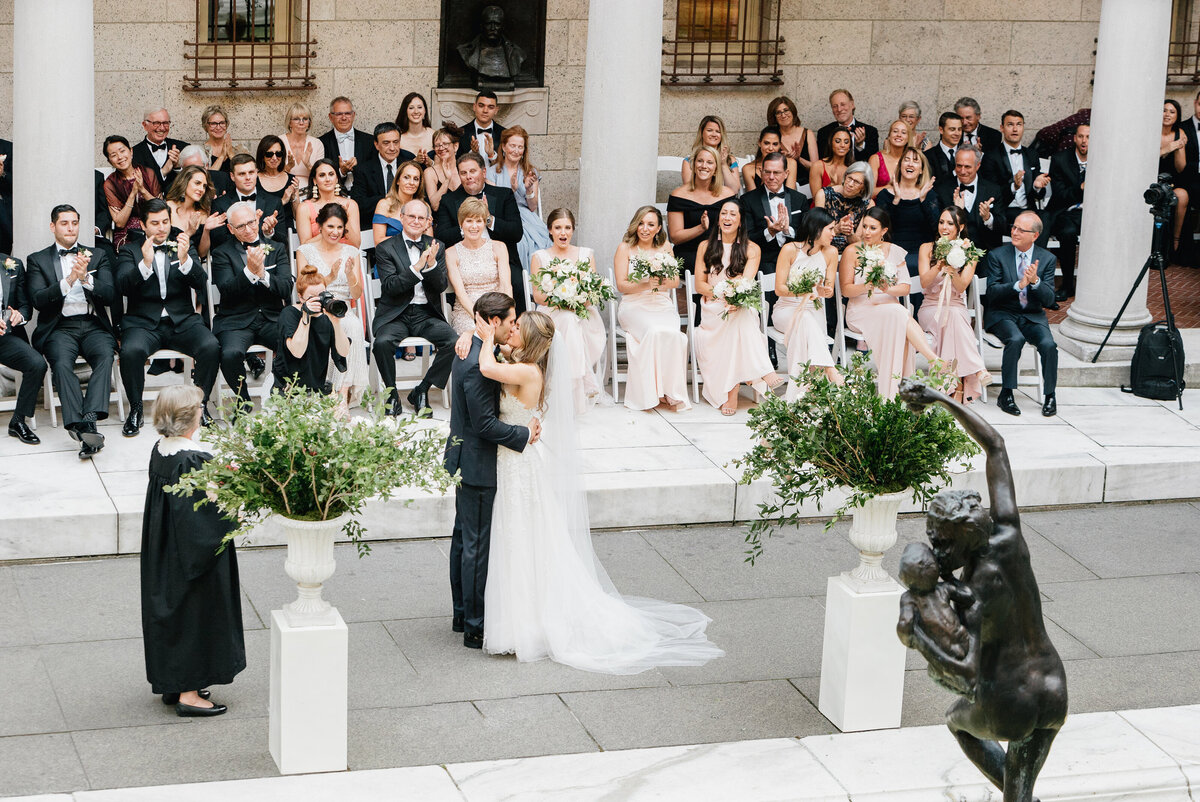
(803,326)
(656,349)
(585,339)
(953,335)
(883,320)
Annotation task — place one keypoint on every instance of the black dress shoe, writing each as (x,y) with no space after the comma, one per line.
(88,451)
(1049,406)
(457,625)
(394,406)
(206,419)
(173,698)
(20,430)
(188,711)
(473,641)
(158,367)
(133,422)
(1061,295)
(419,398)
(1007,404)
(257,364)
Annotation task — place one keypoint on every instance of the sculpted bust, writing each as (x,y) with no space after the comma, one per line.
(493,59)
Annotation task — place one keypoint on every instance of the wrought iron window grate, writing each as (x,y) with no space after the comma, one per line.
(252,45)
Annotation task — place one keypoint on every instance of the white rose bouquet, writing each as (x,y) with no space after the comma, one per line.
(738,293)
(803,280)
(661,266)
(874,268)
(956,252)
(572,286)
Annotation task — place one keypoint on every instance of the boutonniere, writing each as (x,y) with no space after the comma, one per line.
(85,253)
(10,267)
(266,248)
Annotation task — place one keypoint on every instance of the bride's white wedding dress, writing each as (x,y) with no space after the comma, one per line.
(547,595)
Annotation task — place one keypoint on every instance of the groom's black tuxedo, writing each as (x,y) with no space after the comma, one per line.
(475,431)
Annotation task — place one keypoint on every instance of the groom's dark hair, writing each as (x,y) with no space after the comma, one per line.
(494,304)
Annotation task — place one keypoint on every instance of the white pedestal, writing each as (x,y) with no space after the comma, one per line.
(862,661)
(308,695)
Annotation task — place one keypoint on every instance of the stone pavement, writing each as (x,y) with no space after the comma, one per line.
(1121,586)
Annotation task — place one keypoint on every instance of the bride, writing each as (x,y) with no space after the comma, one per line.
(547,595)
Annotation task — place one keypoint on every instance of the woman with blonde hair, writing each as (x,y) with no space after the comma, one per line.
(515,171)
(406,186)
(689,205)
(476,265)
(303,151)
(886,163)
(219,145)
(711,133)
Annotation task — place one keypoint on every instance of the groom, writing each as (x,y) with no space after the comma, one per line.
(475,431)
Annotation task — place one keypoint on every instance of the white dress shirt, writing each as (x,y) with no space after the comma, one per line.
(414,255)
(161,266)
(74,300)
(969,197)
(1016,161)
(773,204)
(159,155)
(479,139)
(345,144)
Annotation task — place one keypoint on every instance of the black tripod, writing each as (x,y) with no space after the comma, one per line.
(1156,261)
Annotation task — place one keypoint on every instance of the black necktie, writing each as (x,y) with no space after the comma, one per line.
(479,196)
(951,155)
(390,177)
(154,147)
(68,251)
(250,197)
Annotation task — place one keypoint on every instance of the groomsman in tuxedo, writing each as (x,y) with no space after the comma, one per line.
(70,289)
(482,135)
(1020,286)
(941,153)
(15,351)
(1191,130)
(255,283)
(975,133)
(503,223)
(1018,169)
(373,177)
(245,190)
(6,209)
(866,137)
(159,278)
(344,143)
(412,277)
(157,150)
(1068,171)
(979,198)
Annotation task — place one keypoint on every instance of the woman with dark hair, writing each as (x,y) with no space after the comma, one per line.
(800,317)
(874,310)
(125,189)
(1172,160)
(655,347)
(691,205)
(190,198)
(272,179)
(944,315)
(829,170)
(799,142)
(416,134)
(711,133)
(309,338)
(847,201)
(441,176)
(405,186)
(731,350)
(769,141)
(513,170)
(326,188)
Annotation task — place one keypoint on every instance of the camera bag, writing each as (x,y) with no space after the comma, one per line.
(1151,372)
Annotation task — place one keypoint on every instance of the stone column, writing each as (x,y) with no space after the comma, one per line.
(54,149)
(1131,68)
(617,171)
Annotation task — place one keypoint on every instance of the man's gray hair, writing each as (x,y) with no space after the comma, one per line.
(1035,222)
(974,151)
(423,204)
(153,110)
(968,103)
(907,105)
(193,152)
(241,206)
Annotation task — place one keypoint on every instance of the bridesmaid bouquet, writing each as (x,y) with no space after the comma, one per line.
(573,286)
(738,293)
(661,266)
(956,252)
(802,281)
(874,267)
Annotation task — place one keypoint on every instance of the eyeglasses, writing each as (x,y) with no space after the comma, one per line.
(273,154)
(1023,230)
(300,119)
(417,217)
(155,124)
(244,225)
(337,114)
(217,123)
(442,146)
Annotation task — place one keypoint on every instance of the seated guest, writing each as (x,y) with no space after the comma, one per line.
(125,191)
(875,311)
(416,134)
(374,176)
(847,202)
(254,283)
(829,169)
(692,207)
(190,199)
(913,207)
(412,277)
(945,315)
(886,163)
(1172,161)
(323,191)
(769,141)
(796,141)
(191,599)
(272,179)
(975,133)
(941,154)
(407,186)
(219,146)
(712,133)
(302,150)
(731,350)
(656,350)
(219,180)
(161,281)
(344,143)
(800,317)
(1020,282)
(481,134)
(866,137)
(502,222)
(910,112)
(978,197)
(73,322)
(513,169)
(16,352)
(475,266)
(441,176)
(1015,168)
(310,339)
(340,269)
(157,151)
(1068,172)
(247,190)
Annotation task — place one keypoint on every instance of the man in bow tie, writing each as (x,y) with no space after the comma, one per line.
(345,143)
(1017,169)
(975,133)
(374,176)
(271,216)
(976,196)
(158,151)
(1068,175)
(254,277)
(482,134)
(15,351)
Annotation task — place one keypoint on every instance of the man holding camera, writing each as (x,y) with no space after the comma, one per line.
(254,278)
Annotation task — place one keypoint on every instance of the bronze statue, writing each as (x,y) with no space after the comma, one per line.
(1017,678)
(493,59)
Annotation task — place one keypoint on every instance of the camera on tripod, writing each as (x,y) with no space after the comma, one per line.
(1160,196)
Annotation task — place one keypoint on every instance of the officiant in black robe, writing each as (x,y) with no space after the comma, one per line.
(191,598)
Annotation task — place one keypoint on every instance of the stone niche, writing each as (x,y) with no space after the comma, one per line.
(492,44)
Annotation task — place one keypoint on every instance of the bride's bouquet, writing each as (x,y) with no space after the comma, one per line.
(803,280)
(573,285)
(874,268)
(661,266)
(956,252)
(738,293)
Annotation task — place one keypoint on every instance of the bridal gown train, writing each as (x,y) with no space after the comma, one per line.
(547,596)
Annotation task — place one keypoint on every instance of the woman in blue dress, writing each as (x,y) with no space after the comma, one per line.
(514,171)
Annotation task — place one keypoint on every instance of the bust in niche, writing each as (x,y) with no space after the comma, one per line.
(493,60)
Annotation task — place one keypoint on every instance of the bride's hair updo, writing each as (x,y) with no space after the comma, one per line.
(537,332)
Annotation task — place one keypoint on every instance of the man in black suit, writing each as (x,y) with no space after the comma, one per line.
(941,153)
(71,289)
(15,351)
(157,150)
(159,278)
(245,189)
(475,431)
(1068,171)
(977,197)
(255,283)
(482,134)
(1018,169)
(975,132)
(412,278)
(1020,285)
(866,137)
(345,143)
(374,176)
(6,208)
(503,224)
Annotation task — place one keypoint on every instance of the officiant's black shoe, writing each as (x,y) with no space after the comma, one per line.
(173,698)
(19,429)
(419,398)
(473,641)
(1007,404)
(1061,295)
(1049,406)
(394,407)
(188,711)
(206,419)
(133,421)
(457,625)
(258,366)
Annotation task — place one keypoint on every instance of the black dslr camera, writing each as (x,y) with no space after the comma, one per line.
(337,307)
(1160,197)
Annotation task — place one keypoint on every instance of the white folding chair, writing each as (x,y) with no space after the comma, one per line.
(427,347)
(52,401)
(975,312)
(690,289)
(615,332)
(993,341)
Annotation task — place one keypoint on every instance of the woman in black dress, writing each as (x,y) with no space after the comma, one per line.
(309,336)
(191,599)
(1171,160)
(913,207)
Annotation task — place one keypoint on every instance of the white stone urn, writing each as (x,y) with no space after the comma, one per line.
(872,532)
(309,563)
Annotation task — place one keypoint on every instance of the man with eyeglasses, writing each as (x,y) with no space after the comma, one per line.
(157,150)
(345,143)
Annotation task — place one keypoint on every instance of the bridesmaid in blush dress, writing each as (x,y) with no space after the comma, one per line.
(656,348)
(731,350)
(948,321)
(797,317)
(890,331)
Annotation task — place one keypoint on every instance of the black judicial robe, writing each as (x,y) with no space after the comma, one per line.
(191,599)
